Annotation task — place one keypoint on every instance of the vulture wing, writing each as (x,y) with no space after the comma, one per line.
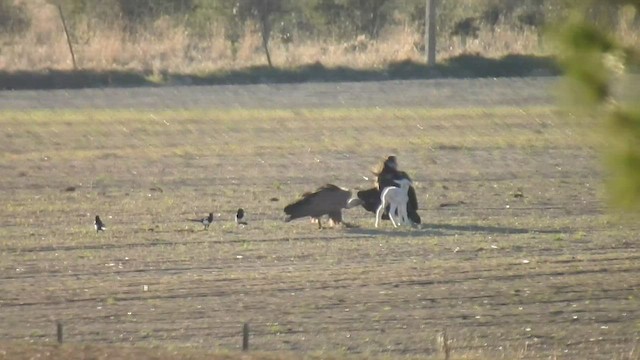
(370,199)
(412,206)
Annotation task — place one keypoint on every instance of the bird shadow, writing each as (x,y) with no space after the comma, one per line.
(490,229)
(395,232)
(445,230)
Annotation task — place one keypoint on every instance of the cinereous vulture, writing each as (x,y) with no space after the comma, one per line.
(326,200)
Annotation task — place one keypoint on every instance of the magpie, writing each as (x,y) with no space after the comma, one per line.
(204,221)
(99,225)
(240,216)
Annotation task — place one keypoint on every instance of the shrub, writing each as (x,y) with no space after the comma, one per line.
(13,18)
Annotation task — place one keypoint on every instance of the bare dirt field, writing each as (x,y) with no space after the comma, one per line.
(516,258)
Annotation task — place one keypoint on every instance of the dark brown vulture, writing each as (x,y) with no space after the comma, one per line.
(386,176)
(326,200)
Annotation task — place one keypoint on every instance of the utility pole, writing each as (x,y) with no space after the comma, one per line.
(430,31)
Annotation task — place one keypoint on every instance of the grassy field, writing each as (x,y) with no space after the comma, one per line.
(517,257)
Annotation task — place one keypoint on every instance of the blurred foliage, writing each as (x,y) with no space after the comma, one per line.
(597,67)
(13,18)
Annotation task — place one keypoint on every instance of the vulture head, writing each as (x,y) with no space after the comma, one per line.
(391,163)
(326,200)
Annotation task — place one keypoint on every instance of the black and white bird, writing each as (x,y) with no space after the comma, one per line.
(240,217)
(204,221)
(99,225)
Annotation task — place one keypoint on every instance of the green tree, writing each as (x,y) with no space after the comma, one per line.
(594,59)
(348,19)
(235,15)
(13,18)
(265,13)
(132,13)
(221,12)
(369,16)
(326,18)
(139,12)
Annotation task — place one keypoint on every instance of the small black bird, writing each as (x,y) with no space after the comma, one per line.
(240,216)
(99,225)
(204,221)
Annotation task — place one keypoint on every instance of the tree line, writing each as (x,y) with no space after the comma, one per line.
(292,20)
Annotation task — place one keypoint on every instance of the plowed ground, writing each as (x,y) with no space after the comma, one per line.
(516,257)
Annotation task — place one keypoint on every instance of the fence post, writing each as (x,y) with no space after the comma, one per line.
(245,337)
(66,33)
(444,344)
(59,331)
(430,31)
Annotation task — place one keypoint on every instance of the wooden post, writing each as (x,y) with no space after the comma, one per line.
(430,31)
(59,331)
(445,344)
(245,337)
(66,33)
